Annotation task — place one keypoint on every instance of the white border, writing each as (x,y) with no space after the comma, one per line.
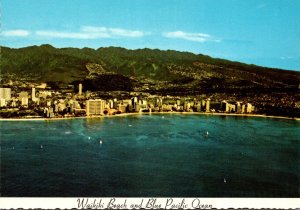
(149,203)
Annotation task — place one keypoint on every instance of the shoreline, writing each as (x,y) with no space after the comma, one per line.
(228,114)
(149,113)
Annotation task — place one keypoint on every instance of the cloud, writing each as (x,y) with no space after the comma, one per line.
(71,35)
(113,31)
(92,32)
(16,33)
(128,33)
(196,37)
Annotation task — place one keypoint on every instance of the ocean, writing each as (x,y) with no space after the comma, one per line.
(161,155)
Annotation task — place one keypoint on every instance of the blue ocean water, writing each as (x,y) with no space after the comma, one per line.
(151,155)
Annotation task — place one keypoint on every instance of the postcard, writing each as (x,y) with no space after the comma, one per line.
(129,104)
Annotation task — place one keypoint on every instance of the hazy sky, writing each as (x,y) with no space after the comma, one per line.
(262,32)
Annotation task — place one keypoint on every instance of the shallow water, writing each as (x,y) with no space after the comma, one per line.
(145,156)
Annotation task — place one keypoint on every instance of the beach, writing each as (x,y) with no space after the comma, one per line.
(149,113)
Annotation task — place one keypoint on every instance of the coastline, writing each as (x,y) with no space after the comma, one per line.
(149,113)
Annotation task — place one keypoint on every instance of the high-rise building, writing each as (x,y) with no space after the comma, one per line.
(238,107)
(203,104)
(231,108)
(24,101)
(115,103)
(249,108)
(111,104)
(33,94)
(95,107)
(5,93)
(207,107)
(198,107)
(134,102)
(49,112)
(2,102)
(80,89)
(122,108)
(243,108)
(185,105)
(55,107)
(159,102)
(188,106)
(225,106)
(13,103)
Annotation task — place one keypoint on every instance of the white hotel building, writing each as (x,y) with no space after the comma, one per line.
(5,95)
(95,107)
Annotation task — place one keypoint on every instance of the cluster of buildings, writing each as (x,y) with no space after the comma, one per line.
(237,107)
(49,103)
(102,107)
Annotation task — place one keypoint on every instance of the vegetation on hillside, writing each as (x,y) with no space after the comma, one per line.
(115,68)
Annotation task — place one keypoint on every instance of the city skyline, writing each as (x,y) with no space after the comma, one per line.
(48,103)
(264,33)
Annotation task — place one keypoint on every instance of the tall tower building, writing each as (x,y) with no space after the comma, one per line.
(207,107)
(238,107)
(134,101)
(111,104)
(33,94)
(80,89)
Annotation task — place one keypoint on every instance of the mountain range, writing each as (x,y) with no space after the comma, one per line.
(153,70)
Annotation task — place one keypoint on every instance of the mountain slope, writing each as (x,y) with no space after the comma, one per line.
(175,70)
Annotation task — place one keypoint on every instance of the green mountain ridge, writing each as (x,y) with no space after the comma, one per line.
(165,70)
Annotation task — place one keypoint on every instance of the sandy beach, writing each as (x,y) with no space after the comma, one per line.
(148,113)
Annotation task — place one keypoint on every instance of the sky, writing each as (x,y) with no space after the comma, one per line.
(261,32)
